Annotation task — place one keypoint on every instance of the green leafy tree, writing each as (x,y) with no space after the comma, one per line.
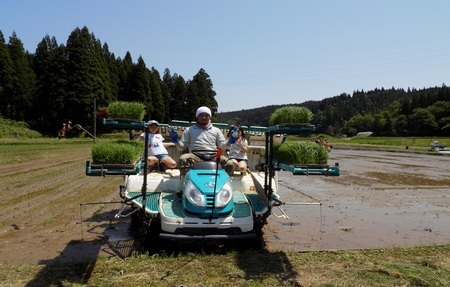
(444,124)
(388,128)
(379,124)
(422,121)
(401,125)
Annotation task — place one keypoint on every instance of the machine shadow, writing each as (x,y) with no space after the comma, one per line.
(261,265)
(253,258)
(101,236)
(107,237)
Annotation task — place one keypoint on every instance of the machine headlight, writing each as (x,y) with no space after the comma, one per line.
(224,196)
(194,195)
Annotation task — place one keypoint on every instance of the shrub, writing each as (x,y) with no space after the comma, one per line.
(16,129)
(126,110)
(121,152)
(300,153)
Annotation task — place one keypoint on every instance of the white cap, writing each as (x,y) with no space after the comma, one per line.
(203,110)
(152,122)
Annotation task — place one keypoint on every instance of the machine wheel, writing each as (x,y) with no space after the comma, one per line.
(151,242)
(135,221)
(258,242)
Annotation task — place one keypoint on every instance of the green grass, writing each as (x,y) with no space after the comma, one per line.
(393,141)
(425,266)
(23,150)
(407,144)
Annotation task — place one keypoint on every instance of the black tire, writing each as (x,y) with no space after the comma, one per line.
(151,242)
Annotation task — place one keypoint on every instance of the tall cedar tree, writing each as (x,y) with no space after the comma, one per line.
(20,95)
(201,93)
(49,66)
(6,80)
(125,67)
(178,99)
(87,77)
(139,85)
(166,83)
(157,101)
(113,71)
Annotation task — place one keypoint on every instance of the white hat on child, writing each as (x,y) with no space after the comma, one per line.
(152,122)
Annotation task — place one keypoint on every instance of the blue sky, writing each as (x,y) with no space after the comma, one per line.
(259,52)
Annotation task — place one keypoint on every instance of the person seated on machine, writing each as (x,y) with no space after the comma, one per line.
(237,155)
(202,141)
(158,156)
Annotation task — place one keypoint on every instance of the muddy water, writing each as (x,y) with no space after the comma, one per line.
(381,199)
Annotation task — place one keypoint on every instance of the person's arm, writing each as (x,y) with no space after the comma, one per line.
(179,143)
(222,142)
(166,144)
(243,145)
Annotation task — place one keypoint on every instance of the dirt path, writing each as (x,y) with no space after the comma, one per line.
(381,199)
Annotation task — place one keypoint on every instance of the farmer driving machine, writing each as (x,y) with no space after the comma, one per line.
(205,203)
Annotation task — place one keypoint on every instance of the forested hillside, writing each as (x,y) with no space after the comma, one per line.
(76,81)
(389,112)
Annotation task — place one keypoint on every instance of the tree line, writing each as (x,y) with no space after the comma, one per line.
(385,112)
(78,80)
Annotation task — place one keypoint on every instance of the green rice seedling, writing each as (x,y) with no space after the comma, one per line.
(122,152)
(301,153)
(291,114)
(126,110)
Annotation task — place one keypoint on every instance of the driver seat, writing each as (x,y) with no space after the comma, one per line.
(206,165)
